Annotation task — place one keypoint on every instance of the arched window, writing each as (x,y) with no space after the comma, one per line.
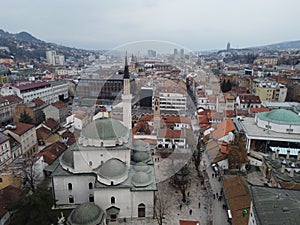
(91,198)
(112,200)
(141,210)
(71,199)
(90,163)
(111,183)
(70,187)
(90,185)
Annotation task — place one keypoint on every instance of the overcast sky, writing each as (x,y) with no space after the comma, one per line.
(195,24)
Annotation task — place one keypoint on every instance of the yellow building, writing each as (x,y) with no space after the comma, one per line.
(268,90)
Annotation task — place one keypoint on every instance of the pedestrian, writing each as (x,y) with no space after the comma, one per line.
(180,206)
(188,194)
(221,192)
(199,205)
(214,196)
(212,175)
(191,211)
(217,194)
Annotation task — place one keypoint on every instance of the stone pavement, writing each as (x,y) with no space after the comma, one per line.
(218,214)
(195,195)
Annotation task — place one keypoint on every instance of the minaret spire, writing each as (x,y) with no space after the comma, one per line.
(126,97)
(126,70)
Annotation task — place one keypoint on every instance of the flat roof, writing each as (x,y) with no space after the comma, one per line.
(275,205)
(252,131)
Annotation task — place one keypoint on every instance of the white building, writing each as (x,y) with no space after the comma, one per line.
(47,91)
(54,59)
(172,102)
(105,168)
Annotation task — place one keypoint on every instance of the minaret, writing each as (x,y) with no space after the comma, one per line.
(126,97)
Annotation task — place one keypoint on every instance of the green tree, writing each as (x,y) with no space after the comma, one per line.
(33,209)
(25,118)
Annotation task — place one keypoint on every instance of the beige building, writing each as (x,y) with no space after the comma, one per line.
(25,134)
(5,150)
(269,90)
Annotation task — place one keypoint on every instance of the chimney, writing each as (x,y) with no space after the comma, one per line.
(288,154)
(273,155)
(292,171)
(277,153)
(283,163)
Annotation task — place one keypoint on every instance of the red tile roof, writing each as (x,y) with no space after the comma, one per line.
(52,152)
(10,99)
(38,101)
(51,123)
(22,128)
(169,133)
(59,104)
(223,129)
(258,110)
(29,86)
(42,133)
(238,198)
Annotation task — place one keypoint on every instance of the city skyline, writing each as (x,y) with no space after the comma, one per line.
(196,25)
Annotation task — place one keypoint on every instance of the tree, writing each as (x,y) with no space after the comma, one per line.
(182,179)
(33,209)
(25,118)
(198,153)
(162,205)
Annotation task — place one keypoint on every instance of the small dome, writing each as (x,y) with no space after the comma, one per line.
(141,167)
(87,214)
(105,129)
(141,157)
(112,168)
(140,145)
(68,158)
(141,179)
(282,116)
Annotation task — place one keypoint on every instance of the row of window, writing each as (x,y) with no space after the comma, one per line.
(70,186)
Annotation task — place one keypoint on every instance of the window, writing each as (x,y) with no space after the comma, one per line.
(90,163)
(1,180)
(91,198)
(112,200)
(141,210)
(71,199)
(90,185)
(70,187)
(111,183)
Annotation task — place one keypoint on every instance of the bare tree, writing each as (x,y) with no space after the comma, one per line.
(162,205)
(30,173)
(182,179)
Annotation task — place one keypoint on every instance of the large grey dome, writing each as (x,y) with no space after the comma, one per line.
(86,214)
(141,179)
(112,168)
(105,129)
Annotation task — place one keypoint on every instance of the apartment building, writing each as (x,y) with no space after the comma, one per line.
(172,101)
(25,134)
(268,90)
(7,108)
(47,91)
(5,150)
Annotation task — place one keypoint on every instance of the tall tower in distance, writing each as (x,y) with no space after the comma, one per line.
(126,97)
(228,46)
(156,112)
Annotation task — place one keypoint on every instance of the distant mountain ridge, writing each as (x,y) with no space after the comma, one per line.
(25,46)
(283,45)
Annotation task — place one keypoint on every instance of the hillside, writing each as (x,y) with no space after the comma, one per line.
(24,46)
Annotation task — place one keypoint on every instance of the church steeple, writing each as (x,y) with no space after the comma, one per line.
(126,70)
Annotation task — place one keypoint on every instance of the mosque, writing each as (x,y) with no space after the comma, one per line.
(105,176)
